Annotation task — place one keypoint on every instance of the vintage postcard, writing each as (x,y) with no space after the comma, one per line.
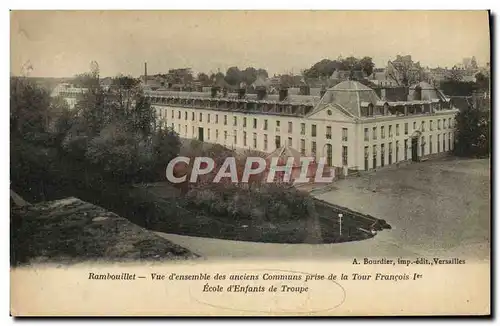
(250,163)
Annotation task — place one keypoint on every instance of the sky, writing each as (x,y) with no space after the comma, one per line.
(63,43)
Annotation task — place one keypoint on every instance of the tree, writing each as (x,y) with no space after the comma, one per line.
(326,67)
(166,146)
(122,82)
(472,133)
(482,81)
(142,118)
(233,76)
(29,108)
(249,75)
(366,65)
(117,152)
(262,73)
(203,79)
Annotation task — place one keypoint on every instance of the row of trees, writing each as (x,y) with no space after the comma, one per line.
(233,76)
(326,67)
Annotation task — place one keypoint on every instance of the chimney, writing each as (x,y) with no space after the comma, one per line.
(241,93)
(261,93)
(283,94)
(145,73)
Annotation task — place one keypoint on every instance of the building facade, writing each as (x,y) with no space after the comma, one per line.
(349,124)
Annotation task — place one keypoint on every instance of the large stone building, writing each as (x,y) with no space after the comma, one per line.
(349,124)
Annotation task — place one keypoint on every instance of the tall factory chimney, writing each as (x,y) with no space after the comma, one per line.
(145,73)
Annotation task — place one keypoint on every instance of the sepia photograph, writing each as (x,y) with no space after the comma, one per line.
(250,162)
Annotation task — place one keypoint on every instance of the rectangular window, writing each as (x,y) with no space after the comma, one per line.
(390,131)
(390,153)
(290,127)
(450,124)
(277,141)
(414,125)
(173,112)
(313,130)
(265,124)
(439,124)
(444,124)
(382,132)
(344,155)
(422,145)
(367,135)
(244,138)
(367,156)
(439,142)
(313,148)
(422,126)
(328,132)
(216,118)
(431,125)
(254,140)
(185,130)
(225,120)
(201,117)
(192,130)
(179,114)
(254,123)
(382,155)
(265,142)
(216,134)
(235,137)
(397,150)
(303,147)
(406,149)
(430,144)
(289,141)
(302,128)
(397,129)
(179,126)
(344,134)
(208,133)
(225,135)
(374,153)
(406,128)
(208,118)
(235,121)
(185,115)
(278,125)
(192,116)
(244,122)
(374,133)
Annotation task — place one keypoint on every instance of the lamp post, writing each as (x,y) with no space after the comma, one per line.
(340,222)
